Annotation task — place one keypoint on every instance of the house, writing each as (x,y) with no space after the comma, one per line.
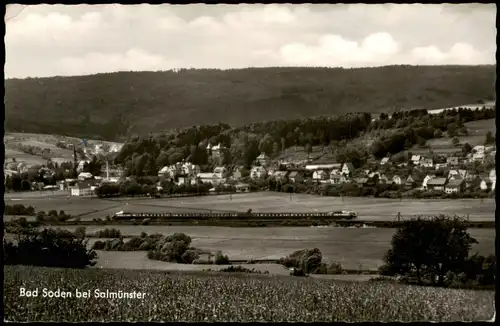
(348,169)
(258,172)
(415,159)
(220,170)
(296,177)
(486,184)
(335,179)
(396,179)
(457,174)
(426,162)
(426,179)
(190,169)
(384,161)
(81,165)
(412,181)
(332,166)
(242,187)
(237,173)
(455,186)
(263,159)
(84,176)
(441,165)
(211,178)
(320,175)
(493,178)
(452,160)
(82,188)
(216,150)
(280,175)
(479,156)
(478,149)
(436,184)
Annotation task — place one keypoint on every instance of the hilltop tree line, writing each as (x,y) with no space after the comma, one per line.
(147,155)
(112,106)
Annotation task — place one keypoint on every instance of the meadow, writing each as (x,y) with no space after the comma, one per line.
(477,131)
(354,248)
(367,208)
(191,297)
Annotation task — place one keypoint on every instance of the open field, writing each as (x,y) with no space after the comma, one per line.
(21,157)
(354,248)
(477,131)
(215,297)
(43,141)
(367,208)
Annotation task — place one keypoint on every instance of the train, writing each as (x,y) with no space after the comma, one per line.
(349,215)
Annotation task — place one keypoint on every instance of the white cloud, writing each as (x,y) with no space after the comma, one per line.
(45,40)
(460,53)
(132,60)
(334,50)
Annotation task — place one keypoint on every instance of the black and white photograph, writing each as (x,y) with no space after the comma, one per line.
(249,162)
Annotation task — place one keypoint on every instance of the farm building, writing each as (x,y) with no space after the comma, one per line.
(212,178)
(426,179)
(242,187)
(455,186)
(436,184)
(82,188)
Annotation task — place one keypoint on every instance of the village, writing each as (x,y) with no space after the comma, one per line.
(448,175)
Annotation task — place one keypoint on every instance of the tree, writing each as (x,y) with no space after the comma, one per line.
(428,249)
(455,141)
(466,148)
(438,133)
(489,138)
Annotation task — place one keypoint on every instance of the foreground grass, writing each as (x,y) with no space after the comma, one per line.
(207,297)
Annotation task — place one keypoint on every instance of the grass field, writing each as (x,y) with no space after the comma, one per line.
(354,248)
(193,297)
(477,131)
(367,208)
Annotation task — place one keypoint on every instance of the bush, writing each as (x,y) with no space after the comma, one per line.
(240,269)
(108,233)
(203,262)
(189,256)
(221,259)
(80,232)
(307,259)
(47,248)
(99,245)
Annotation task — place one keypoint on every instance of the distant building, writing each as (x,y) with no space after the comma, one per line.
(242,187)
(85,176)
(455,186)
(436,184)
(384,161)
(426,162)
(320,175)
(82,188)
(415,159)
(263,159)
(332,166)
(396,179)
(280,175)
(426,179)
(258,172)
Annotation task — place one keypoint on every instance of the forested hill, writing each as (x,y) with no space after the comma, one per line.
(109,106)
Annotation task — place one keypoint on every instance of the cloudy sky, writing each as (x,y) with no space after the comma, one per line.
(50,40)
